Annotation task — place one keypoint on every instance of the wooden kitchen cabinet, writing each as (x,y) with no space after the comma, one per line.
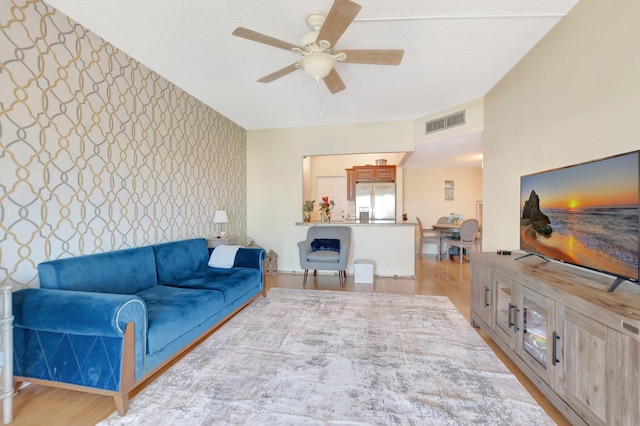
(386,173)
(577,343)
(374,173)
(364,173)
(351,184)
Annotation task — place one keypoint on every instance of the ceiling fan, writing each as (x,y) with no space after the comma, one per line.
(319,55)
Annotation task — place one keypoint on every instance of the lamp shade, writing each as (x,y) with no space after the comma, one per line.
(220,216)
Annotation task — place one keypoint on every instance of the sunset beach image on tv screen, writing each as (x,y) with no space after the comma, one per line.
(585,215)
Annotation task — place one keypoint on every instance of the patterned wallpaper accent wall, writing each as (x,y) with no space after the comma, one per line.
(99,153)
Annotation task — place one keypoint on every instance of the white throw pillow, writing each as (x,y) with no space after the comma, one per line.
(223,256)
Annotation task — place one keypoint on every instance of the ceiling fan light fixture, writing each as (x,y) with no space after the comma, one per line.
(317,64)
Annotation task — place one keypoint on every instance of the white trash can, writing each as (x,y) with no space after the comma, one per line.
(363,271)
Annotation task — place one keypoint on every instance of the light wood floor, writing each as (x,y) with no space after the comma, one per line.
(38,405)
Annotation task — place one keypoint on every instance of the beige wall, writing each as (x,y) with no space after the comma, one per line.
(424,194)
(275,178)
(574,97)
(274,175)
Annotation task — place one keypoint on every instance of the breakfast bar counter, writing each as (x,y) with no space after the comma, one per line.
(390,245)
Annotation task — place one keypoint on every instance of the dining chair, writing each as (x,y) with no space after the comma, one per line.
(479,238)
(428,236)
(468,233)
(444,236)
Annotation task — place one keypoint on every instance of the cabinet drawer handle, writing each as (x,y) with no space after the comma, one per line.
(515,319)
(486,297)
(510,315)
(554,349)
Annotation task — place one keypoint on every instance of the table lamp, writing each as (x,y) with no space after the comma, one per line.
(220,216)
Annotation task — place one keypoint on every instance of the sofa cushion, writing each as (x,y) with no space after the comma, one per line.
(233,283)
(174,311)
(123,271)
(180,259)
(323,256)
(325,244)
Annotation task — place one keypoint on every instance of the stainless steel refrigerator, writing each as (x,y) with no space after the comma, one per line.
(378,198)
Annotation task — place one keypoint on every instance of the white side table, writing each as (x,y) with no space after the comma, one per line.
(215,242)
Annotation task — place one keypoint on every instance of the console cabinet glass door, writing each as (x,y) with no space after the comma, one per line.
(537,343)
(506,326)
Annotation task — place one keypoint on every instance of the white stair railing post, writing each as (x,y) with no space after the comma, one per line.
(6,343)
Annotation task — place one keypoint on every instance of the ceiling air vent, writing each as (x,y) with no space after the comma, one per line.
(451,120)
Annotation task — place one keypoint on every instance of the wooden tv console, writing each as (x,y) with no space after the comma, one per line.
(579,344)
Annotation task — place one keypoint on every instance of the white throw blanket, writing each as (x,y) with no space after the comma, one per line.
(223,256)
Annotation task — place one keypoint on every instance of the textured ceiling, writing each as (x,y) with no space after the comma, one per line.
(455,51)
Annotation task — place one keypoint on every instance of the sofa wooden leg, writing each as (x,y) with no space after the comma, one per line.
(315,272)
(16,386)
(127,374)
(341,279)
(304,280)
(122,403)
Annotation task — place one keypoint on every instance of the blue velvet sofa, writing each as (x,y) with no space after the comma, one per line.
(104,323)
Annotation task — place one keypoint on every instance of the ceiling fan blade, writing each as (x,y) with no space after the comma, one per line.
(338,20)
(377,57)
(280,73)
(334,82)
(261,38)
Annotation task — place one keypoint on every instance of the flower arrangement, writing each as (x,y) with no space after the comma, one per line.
(307,208)
(326,205)
(454,218)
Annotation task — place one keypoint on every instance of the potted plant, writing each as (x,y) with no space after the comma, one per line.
(307,208)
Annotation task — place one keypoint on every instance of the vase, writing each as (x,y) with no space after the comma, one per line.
(306,216)
(326,217)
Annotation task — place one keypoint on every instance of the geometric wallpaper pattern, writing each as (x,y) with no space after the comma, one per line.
(97,152)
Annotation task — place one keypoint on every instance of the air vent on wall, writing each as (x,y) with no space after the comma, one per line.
(451,120)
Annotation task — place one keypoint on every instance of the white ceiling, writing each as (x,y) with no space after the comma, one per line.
(455,51)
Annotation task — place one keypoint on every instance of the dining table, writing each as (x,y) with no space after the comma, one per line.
(445,230)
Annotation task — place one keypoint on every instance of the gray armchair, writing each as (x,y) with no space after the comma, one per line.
(327,249)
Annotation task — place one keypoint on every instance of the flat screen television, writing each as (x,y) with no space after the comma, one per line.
(585,215)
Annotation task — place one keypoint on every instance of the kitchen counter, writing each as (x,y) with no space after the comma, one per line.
(389,245)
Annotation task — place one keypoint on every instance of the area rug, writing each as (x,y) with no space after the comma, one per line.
(322,357)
